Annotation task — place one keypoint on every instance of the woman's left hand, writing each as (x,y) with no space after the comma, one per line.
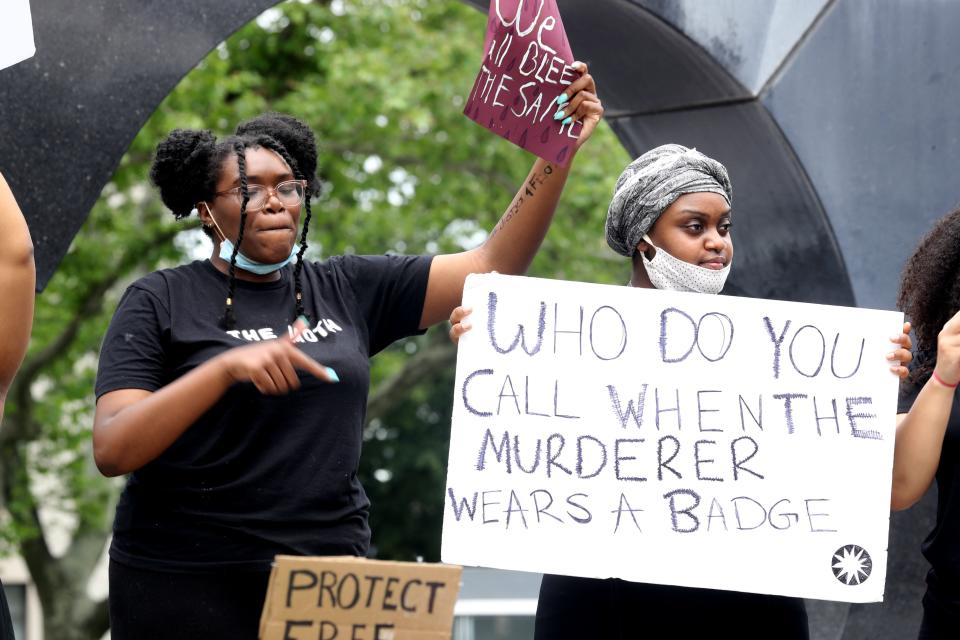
(901,357)
(582,103)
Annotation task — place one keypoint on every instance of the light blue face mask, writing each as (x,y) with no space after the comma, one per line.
(245,263)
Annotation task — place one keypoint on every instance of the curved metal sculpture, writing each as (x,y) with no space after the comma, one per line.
(71,111)
(842,148)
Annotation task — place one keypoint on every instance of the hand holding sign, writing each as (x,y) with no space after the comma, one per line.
(459,324)
(529,90)
(580,104)
(902,355)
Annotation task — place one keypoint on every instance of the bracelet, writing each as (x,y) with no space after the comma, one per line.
(944,382)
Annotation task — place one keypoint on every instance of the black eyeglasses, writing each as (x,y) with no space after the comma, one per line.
(289,192)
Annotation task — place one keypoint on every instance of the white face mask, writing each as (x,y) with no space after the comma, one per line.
(672,274)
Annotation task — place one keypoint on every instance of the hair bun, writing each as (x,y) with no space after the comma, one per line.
(181,169)
(295,136)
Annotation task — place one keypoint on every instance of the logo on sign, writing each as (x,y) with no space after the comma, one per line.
(852,564)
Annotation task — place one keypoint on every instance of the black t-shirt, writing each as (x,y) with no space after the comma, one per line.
(256,475)
(571,608)
(942,546)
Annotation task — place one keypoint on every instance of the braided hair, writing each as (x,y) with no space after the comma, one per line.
(188,164)
(930,290)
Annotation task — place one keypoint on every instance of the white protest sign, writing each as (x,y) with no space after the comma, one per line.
(16,32)
(673,438)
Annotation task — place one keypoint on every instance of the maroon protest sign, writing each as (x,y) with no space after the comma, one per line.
(526,66)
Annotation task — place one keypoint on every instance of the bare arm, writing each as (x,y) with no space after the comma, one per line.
(18,284)
(122,444)
(920,432)
(515,239)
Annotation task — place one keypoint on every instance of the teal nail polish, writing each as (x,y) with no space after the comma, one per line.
(558,115)
(333,375)
(568,120)
(304,320)
(562,99)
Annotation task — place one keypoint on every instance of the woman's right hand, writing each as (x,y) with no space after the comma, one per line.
(121,444)
(272,365)
(459,325)
(948,352)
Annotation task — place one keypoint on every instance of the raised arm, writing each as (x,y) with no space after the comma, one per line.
(515,239)
(920,432)
(18,284)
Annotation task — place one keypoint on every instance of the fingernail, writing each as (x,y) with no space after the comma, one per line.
(562,99)
(304,320)
(568,120)
(891,355)
(465,325)
(558,115)
(333,375)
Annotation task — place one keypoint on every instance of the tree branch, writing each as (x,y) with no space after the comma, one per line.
(34,550)
(97,620)
(503,179)
(85,550)
(53,576)
(90,304)
(439,354)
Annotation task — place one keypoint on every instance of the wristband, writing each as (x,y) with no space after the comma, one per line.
(944,382)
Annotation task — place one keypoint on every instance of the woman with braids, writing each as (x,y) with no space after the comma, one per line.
(671,216)
(233,389)
(928,431)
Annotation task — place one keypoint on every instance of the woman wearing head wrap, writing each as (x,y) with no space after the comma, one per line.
(671,214)
(695,235)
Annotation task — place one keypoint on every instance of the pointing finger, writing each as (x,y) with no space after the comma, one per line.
(305,363)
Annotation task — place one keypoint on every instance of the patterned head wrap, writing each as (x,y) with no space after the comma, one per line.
(651,183)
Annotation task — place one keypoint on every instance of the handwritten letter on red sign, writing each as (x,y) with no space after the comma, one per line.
(526,66)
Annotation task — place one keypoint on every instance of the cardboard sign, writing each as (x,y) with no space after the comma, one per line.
(347,598)
(16,32)
(672,438)
(525,68)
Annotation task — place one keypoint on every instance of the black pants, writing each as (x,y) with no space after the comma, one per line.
(6,624)
(581,608)
(939,623)
(156,605)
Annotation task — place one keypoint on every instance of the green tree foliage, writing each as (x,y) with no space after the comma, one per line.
(383,83)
